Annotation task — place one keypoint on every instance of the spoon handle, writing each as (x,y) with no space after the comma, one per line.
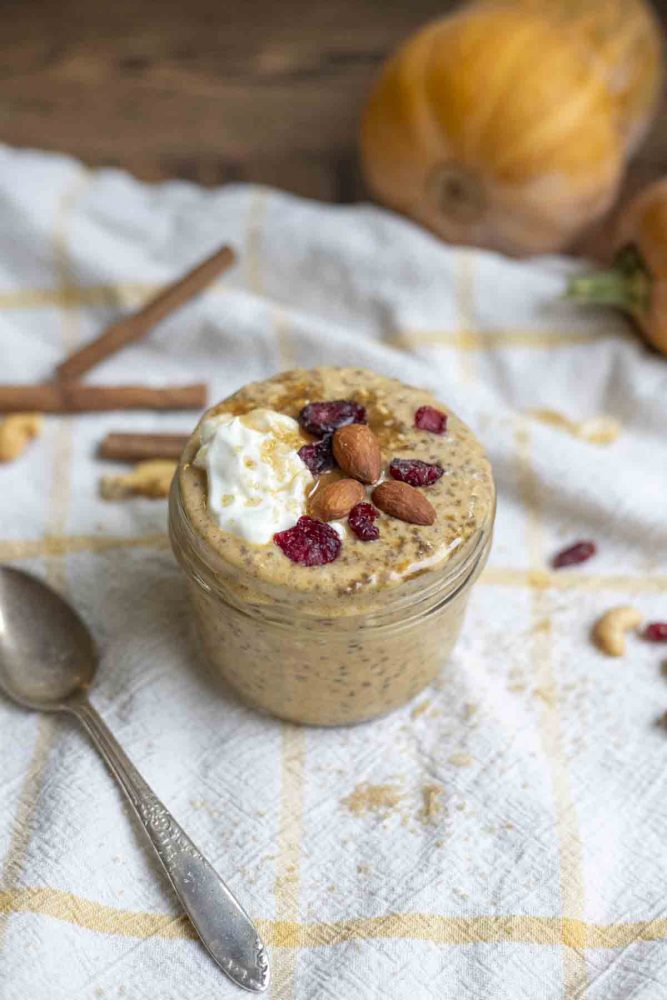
(222,924)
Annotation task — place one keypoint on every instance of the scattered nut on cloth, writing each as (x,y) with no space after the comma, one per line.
(147,479)
(17,430)
(610,630)
(538,869)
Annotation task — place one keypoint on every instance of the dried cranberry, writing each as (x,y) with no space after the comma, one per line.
(427,418)
(309,542)
(319,419)
(577,553)
(318,456)
(414,471)
(655,632)
(361,521)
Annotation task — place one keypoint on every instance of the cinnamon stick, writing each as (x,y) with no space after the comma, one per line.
(138,447)
(73,397)
(132,327)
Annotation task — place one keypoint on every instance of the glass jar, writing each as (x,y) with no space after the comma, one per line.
(370,655)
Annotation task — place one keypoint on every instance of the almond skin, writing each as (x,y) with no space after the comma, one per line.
(404,502)
(357,451)
(336,500)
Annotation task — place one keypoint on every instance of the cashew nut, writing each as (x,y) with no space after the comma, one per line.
(609,631)
(16,431)
(147,479)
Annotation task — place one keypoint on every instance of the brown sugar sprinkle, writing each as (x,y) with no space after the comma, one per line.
(367,798)
(432,805)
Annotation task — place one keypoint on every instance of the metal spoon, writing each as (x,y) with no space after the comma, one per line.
(47,662)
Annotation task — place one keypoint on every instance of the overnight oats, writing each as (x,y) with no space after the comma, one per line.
(330,523)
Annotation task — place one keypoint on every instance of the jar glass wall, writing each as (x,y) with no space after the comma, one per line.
(326,670)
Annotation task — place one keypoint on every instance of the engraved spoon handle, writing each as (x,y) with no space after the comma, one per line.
(220,921)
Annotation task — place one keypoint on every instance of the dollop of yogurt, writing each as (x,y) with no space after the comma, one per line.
(257,484)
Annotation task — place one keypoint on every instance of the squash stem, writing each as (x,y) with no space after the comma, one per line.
(625,285)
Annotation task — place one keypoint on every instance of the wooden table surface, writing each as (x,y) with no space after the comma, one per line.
(214,91)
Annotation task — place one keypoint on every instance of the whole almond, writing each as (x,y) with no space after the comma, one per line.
(336,499)
(404,502)
(357,451)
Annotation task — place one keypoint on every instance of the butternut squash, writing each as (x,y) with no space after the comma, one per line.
(489,128)
(637,281)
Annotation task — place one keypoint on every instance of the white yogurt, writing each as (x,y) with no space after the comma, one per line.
(257,484)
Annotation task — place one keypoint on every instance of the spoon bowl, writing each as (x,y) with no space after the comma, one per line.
(47,655)
(47,662)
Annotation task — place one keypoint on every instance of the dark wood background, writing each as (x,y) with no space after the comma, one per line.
(211,90)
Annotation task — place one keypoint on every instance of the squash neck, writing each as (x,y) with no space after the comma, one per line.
(626,285)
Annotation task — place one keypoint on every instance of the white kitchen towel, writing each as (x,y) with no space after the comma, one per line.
(505,835)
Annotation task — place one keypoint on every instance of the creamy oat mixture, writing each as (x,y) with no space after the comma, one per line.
(462,497)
